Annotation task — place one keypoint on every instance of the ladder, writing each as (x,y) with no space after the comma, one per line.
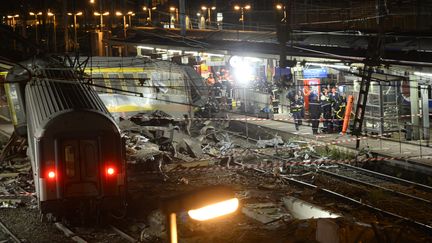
(361,102)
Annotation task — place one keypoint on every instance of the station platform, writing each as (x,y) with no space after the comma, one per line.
(415,152)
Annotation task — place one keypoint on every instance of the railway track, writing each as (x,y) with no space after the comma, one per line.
(380,181)
(11,237)
(79,238)
(418,196)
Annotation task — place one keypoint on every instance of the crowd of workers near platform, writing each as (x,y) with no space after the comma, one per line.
(328,107)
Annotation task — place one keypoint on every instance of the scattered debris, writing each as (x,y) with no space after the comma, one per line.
(274,142)
(266,213)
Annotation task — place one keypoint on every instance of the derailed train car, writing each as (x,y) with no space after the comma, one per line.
(76,149)
(152,85)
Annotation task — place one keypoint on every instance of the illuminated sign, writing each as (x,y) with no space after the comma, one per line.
(315,73)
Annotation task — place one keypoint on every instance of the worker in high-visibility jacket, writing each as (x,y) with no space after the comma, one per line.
(296,109)
(340,113)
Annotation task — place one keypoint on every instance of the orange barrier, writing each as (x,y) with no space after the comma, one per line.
(348,109)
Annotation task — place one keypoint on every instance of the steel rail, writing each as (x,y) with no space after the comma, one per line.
(9,233)
(123,234)
(389,177)
(346,178)
(69,233)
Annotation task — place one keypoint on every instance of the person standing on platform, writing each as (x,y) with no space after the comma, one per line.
(300,95)
(296,108)
(340,113)
(315,112)
(326,110)
(210,80)
(335,102)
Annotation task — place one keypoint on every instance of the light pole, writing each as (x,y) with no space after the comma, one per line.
(36,24)
(204,8)
(282,7)
(242,9)
(118,13)
(101,18)
(174,9)
(149,18)
(130,14)
(75,26)
(13,23)
(50,14)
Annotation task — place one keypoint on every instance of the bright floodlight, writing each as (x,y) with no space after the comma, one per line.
(105,14)
(204,8)
(237,7)
(247,7)
(243,72)
(154,8)
(145,8)
(213,8)
(79,13)
(214,210)
(50,14)
(279,6)
(96,14)
(119,13)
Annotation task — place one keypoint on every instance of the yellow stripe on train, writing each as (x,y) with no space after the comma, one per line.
(115,70)
(135,108)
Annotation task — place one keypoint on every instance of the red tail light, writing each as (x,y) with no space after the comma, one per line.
(51,174)
(110,171)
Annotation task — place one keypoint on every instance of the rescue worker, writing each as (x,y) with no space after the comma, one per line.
(296,108)
(300,94)
(210,80)
(340,113)
(326,110)
(315,112)
(335,103)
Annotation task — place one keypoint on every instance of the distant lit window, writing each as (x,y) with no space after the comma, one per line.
(130,82)
(99,80)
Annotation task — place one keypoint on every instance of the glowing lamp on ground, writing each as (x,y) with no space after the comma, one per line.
(204,204)
(214,210)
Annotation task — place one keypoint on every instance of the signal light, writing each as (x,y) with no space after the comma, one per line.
(51,174)
(110,171)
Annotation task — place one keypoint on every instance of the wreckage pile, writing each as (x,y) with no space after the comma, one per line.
(16,183)
(156,140)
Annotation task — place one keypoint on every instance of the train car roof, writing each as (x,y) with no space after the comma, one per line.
(49,95)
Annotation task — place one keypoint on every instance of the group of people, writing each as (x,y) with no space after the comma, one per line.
(328,107)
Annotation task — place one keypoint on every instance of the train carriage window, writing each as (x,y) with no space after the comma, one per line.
(144,81)
(98,79)
(89,159)
(130,82)
(115,82)
(69,154)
